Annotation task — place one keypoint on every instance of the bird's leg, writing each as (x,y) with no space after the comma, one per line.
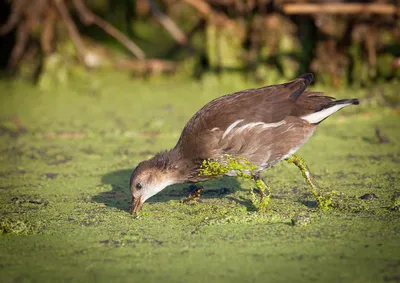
(305,171)
(264,190)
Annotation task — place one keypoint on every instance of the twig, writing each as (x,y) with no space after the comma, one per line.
(168,24)
(17,122)
(47,33)
(198,26)
(72,29)
(146,66)
(340,8)
(15,16)
(396,63)
(381,137)
(20,44)
(370,44)
(85,15)
(201,6)
(88,18)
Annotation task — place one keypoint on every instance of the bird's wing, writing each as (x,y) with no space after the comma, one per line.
(265,107)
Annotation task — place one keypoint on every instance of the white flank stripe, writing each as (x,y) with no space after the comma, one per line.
(251,125)
(231,127)
(274,125)
(321,115)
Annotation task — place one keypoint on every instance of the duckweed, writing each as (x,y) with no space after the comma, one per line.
(64,193)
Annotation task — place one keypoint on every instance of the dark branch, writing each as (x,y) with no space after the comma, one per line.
(168,24)
(15,16)
(88,18)
(72,29)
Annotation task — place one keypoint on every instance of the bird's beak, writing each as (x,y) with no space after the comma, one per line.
(136,205)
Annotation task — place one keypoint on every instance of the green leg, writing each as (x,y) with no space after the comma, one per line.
(299,162)
(324,200)
(265,192)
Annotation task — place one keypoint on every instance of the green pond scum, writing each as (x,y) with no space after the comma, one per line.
(242,168)
(66,155)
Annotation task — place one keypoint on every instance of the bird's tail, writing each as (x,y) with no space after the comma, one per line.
(330,108)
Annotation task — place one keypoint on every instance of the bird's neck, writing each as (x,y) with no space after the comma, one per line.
(174,166)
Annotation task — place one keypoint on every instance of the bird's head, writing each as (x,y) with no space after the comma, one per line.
(149,178)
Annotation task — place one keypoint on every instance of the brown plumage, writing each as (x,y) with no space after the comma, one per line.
(263,125)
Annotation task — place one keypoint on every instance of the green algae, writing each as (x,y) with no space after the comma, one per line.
(301,219)
(64,196)
(395,205)
(265,198)
(324,199)
(226,163)
(17,227)
(242,168)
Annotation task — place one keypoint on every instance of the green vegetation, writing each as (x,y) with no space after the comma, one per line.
(242,168)
(226,163)
(324,199)
(66,155)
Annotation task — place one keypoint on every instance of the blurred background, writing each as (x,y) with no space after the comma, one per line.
(345,43)
(90,88)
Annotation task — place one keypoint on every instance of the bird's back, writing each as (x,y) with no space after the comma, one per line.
(249,122)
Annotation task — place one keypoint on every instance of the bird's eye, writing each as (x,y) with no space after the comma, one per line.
(138,186)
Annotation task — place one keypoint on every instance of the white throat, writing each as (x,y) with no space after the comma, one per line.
(158,187)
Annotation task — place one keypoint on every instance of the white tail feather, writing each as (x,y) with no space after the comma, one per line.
(321,115)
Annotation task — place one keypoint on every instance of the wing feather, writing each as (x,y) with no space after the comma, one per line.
(203,134)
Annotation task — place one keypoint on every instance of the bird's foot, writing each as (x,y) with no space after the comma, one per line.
(305,171)
(324,200)
(194,195)
(265,193)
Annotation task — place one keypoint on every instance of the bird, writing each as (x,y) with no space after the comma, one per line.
(262,126)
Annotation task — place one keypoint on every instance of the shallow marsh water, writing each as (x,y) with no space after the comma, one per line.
(65,159)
